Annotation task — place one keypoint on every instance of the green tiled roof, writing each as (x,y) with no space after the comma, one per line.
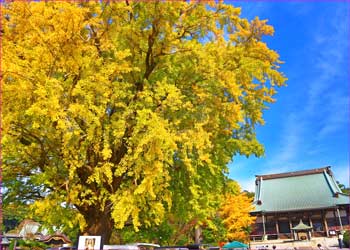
(304,190)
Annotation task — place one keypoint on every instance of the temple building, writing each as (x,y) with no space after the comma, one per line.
(299,205)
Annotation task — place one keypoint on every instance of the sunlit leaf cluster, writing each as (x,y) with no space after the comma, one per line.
(235,214)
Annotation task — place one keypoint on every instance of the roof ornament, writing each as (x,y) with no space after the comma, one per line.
(301,226)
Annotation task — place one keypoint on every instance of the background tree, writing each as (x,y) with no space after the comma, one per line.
(343,188)
(121,112)
(235,215)
(249,194)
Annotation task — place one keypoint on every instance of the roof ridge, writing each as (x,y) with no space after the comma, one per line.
(296,173)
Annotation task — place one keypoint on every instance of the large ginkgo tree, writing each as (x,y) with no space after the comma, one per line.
(120,112)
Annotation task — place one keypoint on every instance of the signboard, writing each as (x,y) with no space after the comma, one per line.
(89,243)
(332,232)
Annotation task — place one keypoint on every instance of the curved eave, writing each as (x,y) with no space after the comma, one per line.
(291,210)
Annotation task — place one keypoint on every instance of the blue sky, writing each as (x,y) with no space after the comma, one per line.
(308,126)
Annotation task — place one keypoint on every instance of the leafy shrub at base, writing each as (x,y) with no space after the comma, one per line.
(346,239)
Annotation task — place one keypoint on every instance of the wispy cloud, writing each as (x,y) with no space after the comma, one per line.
(325,95)
(336,114)
(317,112)
(289,145)
(326,108)
(330,50)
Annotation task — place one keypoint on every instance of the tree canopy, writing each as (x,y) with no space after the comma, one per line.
(117,113)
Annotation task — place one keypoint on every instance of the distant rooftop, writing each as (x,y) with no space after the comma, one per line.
(300,190)
(296,173)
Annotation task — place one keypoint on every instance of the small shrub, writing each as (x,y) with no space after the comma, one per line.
(28,245)
(346,239)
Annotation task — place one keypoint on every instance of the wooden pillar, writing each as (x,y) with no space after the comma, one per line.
(325,222)
(277,227)
(264,230)
(311,225)
(335,217)
(290,226)
(341,225)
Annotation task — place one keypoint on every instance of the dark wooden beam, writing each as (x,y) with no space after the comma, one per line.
(325,222)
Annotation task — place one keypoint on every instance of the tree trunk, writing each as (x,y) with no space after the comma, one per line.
(99,223)
(198,235)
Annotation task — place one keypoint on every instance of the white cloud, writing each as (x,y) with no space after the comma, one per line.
(330,49)
(326,108)
(337,115)
(289,144)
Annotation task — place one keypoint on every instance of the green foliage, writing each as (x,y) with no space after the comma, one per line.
(215,233)
(28,245)
(231,187)
(169,232)
(346,238)
(343,188)
(160,234)
(249,194)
